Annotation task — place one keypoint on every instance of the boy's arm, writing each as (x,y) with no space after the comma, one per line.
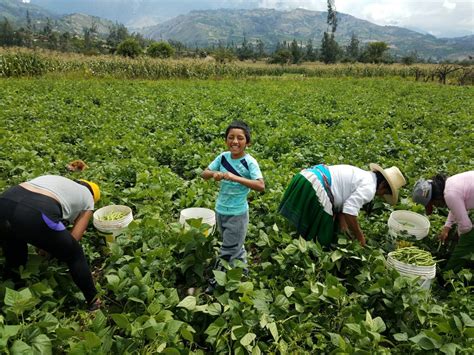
(209,174)
(257,185)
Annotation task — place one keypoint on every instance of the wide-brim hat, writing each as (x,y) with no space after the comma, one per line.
(394,178)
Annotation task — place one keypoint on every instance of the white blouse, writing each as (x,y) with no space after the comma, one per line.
(352,188)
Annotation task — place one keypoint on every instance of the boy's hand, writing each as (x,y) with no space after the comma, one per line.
(229,176)
(218,176)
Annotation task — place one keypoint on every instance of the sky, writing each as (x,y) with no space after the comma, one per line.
(441,18)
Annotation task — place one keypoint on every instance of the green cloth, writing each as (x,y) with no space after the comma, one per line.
(301,206)
(463,253)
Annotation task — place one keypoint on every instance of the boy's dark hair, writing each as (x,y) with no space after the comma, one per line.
(240,125)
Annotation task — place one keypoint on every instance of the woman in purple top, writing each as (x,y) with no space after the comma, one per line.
(456,193)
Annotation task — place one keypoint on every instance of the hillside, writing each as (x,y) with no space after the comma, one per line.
(16,11)
(203,28)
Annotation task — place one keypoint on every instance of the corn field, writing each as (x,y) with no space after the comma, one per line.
(21,62)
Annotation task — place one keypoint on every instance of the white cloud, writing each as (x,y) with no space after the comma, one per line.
(439,17)
(449,5)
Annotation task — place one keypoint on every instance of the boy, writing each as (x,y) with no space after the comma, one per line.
(239,172)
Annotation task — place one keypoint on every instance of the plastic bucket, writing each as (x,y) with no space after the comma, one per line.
(408,222)
(425,273)
(111,229)
(208,217)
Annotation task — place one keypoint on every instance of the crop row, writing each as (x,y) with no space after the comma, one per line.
(30,63)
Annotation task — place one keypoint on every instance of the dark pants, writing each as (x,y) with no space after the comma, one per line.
(462,255)
(30,218)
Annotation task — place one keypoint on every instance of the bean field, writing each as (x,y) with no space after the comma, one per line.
(146,143)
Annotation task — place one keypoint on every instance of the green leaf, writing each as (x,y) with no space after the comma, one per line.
(354,327)
(245,287)
(221,277)
(113,280)
(92,340)
(378,325)
(188,302)
(338,341)
(302,245)
(449,348)
(289,290)
(247,339)
(121,320)
(8,331)
(214,309)
(20,348)
(272,327)
(423,341)
(336,255)
(291,249)
(238,331)
(41,344)
(234,274)
(400,336)
(186,334)
(19,301)
(468,322)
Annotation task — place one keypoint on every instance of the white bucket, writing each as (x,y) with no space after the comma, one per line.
(208,217)
(408,222)
(111,229)
(426,273)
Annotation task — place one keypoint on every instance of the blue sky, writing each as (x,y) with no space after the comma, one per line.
(441,18)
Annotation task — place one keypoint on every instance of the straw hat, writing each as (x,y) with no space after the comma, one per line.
(394,178)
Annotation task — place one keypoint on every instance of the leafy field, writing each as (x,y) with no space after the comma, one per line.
(146,143)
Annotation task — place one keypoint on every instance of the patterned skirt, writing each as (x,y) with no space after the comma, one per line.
(307,205)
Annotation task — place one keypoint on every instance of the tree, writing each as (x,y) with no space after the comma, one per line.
(281,56)
(332,18)
(260,53)
(179,47)
(375,52)
(245,51)
(117,34)
(296,52)
(410,59)
(7,35)
(329,48)
(160,50)
(65,42)
(223,55)
(352,50)
(129,48)
(311,53)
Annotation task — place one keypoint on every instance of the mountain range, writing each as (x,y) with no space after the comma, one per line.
(210,27)
(16,13)
(230,26)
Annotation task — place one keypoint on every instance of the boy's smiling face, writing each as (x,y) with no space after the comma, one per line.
(236,142)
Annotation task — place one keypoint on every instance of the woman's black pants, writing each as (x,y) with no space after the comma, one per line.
(28,218)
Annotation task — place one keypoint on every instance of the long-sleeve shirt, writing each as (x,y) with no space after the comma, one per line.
(352,188)
(459,197)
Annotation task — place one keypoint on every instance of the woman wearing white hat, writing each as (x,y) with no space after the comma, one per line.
(456,193)
(318,197)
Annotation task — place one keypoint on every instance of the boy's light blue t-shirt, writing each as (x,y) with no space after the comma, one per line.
(232,199)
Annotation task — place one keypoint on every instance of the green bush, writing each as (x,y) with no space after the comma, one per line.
(129,48)
(160,50)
